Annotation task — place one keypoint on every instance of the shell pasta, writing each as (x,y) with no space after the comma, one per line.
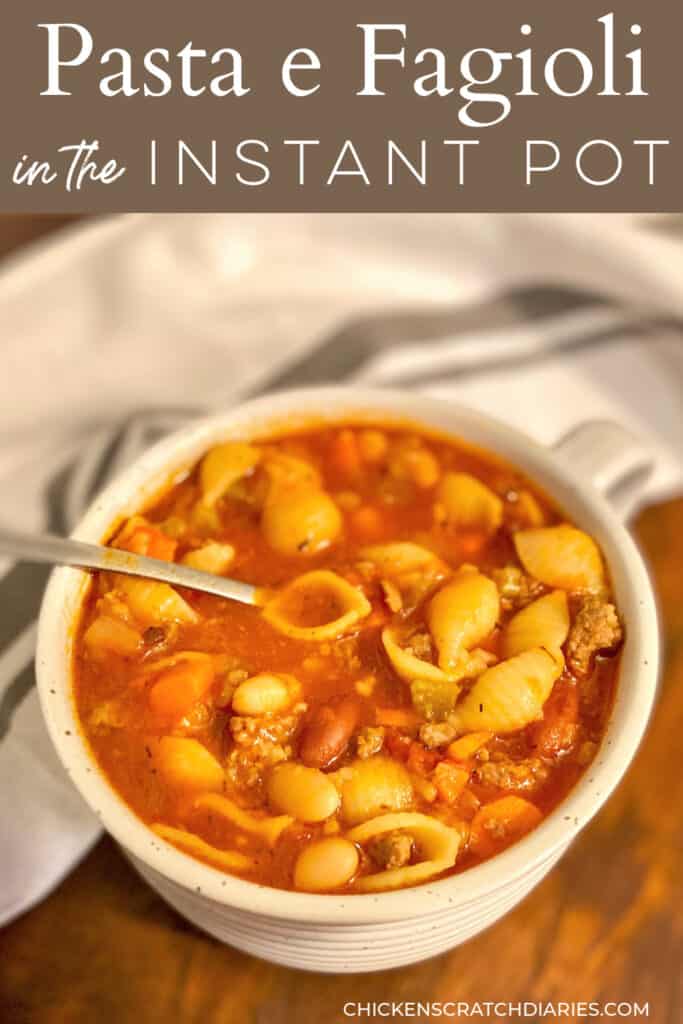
(510,695)
(461,615)
(429,669)
(543,623)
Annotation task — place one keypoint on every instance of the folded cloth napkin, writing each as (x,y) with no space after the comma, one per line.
(143,321)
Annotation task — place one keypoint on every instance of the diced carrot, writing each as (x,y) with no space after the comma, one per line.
(466,746)
(499,823)
(178,688)
(450,780)
(344,454)
(398,718)
(161,546)
(424,787)
(558,729)
(148,540)
(420,759)
(471,543)
(133,540)
(368,522)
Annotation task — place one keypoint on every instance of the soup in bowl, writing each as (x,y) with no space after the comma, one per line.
(425,696)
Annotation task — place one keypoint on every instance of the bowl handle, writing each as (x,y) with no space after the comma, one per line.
(610,458)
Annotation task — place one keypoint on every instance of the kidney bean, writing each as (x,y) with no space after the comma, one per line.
(327,732)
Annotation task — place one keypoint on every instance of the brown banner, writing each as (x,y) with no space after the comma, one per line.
(436,105)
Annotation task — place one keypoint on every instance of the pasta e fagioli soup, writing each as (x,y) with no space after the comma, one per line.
(431,671)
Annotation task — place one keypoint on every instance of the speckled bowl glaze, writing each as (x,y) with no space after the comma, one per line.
(369,932)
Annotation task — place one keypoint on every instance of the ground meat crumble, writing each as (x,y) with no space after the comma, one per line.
(259,743)
(516,589)
(369,741)
(437,734)
(420,644)
(504,773)
(596,628)
(391,850)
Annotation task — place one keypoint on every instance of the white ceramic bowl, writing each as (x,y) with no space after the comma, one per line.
(367,932)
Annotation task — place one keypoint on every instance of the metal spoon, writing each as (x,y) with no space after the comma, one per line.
(29,547)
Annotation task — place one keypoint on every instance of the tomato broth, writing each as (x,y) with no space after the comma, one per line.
(431,672)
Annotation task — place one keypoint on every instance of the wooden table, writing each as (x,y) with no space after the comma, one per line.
(607,924)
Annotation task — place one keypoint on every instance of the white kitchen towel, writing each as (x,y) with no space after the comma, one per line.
(113,335)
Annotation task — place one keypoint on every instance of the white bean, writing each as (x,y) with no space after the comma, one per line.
(325,865)
(305,793)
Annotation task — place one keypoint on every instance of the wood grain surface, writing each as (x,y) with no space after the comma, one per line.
(606,924)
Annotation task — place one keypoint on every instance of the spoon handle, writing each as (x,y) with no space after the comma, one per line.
(45,547)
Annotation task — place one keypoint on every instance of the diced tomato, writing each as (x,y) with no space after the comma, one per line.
(471,543)
(368,522)
(399,718)
(468,745)
(344,454)
(397,744)
(379,616)
(468,805)
(558,729)
(420,759)
(450,780)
